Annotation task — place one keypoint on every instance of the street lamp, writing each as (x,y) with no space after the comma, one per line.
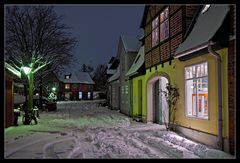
(53,89)
(26,70)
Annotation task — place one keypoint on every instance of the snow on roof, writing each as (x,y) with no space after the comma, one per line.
(85,78)
(205,28)
(115,76)
(138,62)
(130,43)
(73,79)
(79,77)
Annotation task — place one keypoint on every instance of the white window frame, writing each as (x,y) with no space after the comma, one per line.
(195,78)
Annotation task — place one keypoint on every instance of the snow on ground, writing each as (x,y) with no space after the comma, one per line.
(86,130)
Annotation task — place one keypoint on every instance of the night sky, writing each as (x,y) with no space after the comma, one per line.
(98,28)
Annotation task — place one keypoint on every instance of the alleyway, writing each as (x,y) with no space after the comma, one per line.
(86,130)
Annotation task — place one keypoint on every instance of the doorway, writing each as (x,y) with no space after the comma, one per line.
(157,108)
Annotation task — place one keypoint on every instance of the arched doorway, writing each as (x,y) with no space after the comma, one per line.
(157,108)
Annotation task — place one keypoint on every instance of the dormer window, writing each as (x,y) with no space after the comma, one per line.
(67,76)
(205,8)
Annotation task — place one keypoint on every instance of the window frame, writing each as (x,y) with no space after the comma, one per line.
(153,28)
(185,92)
(162,22)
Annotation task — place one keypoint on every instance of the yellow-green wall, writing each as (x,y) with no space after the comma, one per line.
(175,72)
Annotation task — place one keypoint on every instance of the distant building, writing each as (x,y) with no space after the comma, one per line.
(76,86)
(120,86)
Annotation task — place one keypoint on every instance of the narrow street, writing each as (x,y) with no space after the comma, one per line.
(86,130)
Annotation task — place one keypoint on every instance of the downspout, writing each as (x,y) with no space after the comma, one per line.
(220,120)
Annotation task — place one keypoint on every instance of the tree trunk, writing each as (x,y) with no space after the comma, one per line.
(26,110)
(30,101)
(40,94)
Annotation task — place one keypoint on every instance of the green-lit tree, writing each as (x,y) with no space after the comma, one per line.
(35,40)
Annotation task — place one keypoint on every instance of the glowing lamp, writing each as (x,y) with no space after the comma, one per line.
(26,70)
(54,89)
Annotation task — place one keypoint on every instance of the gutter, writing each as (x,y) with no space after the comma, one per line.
(220,120)
(218,58)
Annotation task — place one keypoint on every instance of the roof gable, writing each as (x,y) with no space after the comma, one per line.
(130,43)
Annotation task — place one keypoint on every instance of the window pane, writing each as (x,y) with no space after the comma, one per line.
(187,73)
(155,23)
(80,95)
(155,37)
(164,15)
(190,97)
(164,30)
(203,98)
(197,90)
(89,95)
(198,69)
(206,69)
(67,86)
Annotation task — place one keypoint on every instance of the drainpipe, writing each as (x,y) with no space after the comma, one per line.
(218,57)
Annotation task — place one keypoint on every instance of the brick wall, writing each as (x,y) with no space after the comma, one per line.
(147,29)
(173,8)
(190,10)
(148,60)
(148,43)
(232,96)
(176,23)
(175,42)
(155,56)
(165,51)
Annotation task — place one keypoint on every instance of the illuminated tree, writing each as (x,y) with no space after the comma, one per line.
(36,39)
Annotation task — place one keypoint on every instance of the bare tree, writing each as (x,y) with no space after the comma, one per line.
(172,95)
(100,78)
(36,38)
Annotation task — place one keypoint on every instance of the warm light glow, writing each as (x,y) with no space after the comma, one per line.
(26,70)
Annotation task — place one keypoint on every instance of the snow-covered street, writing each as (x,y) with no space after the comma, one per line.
(86,130)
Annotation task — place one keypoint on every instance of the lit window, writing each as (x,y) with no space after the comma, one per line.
(67,76)
(155,31)
(80,95)
(196,90)
(89,95)
(67,86)
(164,25)
(205,8)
